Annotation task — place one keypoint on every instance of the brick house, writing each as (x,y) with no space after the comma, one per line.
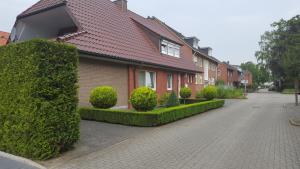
(202,57)
(117,47)
(231,75)
(3,38)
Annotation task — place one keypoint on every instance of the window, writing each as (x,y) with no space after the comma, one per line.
(169,81)
(147,79)
(213,67)
(190,79)
(199,78)
(195,59)
(170,48)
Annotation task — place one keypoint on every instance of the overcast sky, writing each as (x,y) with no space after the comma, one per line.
(231,27)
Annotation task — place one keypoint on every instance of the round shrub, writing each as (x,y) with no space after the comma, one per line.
(185,92)
(103,97)
(209,92)
(143,99)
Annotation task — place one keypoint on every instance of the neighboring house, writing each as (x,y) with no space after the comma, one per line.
(231,75)
(4,36)
(248,77)
(202,57)
(117,47)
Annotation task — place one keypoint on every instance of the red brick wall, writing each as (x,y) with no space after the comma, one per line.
(222,74)
(161,79)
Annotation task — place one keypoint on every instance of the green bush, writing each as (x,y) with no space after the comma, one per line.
(147,119)
(103,97)
(163,99)
(199,95)
(210,92)
(220,83)
(172,100)
(38,100)
(288,91)
(143,99)
(185,92)
(192,101)
(224,92)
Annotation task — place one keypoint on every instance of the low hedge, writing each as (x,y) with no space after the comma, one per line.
(192,101)
(147,119)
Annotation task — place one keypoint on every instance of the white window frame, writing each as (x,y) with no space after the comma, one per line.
(171,80)
(169,48)
(154,78)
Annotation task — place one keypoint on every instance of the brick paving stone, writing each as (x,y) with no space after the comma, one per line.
(248,134)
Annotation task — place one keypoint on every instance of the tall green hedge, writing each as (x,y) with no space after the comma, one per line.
(38,99)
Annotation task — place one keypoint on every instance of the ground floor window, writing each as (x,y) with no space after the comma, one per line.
(147,79)
(170,81)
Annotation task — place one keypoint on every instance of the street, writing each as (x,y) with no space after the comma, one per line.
(245,134)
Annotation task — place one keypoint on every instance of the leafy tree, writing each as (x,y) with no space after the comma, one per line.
(259,72)
(280,51)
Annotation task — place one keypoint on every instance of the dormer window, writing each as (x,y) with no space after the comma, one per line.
(195,43)
(169,48)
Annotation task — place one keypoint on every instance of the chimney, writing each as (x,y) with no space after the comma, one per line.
(122,4)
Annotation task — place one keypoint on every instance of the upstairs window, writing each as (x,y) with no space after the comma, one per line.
(169,48)
(147,79)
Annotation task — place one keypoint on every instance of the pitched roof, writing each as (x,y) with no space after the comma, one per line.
(110,31)
(3,38)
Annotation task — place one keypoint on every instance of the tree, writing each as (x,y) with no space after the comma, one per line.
(280,51)
(259,72)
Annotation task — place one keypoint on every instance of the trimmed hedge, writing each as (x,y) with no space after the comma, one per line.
(147,119)
(38,100)
(192,101)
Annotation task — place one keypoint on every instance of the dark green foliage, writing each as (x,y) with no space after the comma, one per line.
(38,100)
(172,100)
(224,92)
(163,99)
(147,119)
(220,82)
(192,101)
(210,92)
(103,97)
(143,99)
(185,92)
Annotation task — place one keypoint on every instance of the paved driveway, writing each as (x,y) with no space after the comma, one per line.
(7,163)
(247,134)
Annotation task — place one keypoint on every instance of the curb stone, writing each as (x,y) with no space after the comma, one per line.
(295,122)
(21,160)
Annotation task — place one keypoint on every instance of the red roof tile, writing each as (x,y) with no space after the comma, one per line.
(113,32)
(3,38)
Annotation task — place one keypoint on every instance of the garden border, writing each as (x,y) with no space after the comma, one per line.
(148,119)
